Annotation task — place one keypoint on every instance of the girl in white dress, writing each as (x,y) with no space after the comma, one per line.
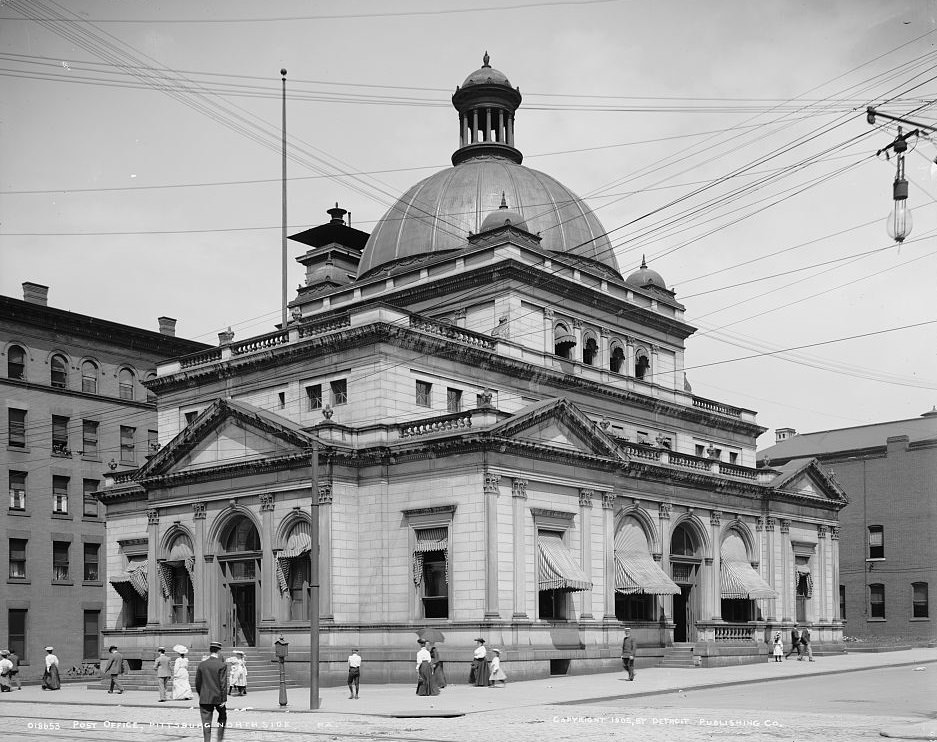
(181,690)
(497,674)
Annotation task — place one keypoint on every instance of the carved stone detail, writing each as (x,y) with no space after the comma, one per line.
(492,482)
(663,511)
(770,523)
(199,510)
(759,524)
(834,533)
(608,500)
(822,530)
(585,498)
(325,494)
(785,525)
(715,518)
(266,501)
(548,313)
(152,517)
(518,488)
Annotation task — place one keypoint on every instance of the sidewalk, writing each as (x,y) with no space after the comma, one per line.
(400,701)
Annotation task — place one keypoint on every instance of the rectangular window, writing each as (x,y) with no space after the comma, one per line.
(16,428)
(128,454)
(18,558)
(60,561)
(842,601)
(91,643)
(877,601)
(699,450)
(424,394)
(281,400)
(89,438)
(91,573)
(919,608)
(339,392)
(876,542)
(17,490)
(152,442)
(733,457)
(60,436)
(89,507)
(435,586)
(59,494)
(453,400)
(314,396)
(16,632)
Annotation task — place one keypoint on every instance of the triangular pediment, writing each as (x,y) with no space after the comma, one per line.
(809,479)
(558,423)
(226,433)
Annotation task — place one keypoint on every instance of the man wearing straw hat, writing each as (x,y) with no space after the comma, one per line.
(211,684)
(163,672)
(113,668)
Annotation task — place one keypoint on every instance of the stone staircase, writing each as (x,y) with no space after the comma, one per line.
(678,655)
(263,672)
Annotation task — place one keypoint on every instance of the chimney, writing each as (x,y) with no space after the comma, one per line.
(225,338)
(167,326)
(35,293)
(782,434)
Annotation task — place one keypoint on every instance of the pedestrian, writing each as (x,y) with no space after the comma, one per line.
(778,647)
(627,653)
(181,688)
(480,670)
(163,673)
(795,643)
(424,668)
(354,674)
(15,672)
(439,669)
(805,643)
(497,674)
(50,678)
(237,673)
(5,667)
(211,684)
(112,669)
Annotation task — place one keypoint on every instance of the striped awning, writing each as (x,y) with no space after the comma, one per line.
(739,580)
(132,581)
(299,541)
(429,539)
(181,552)
(558,568)
(636,572)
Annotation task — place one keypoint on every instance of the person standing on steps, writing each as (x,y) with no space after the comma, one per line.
(354,674)
(163,673)
(627,653)
(112,670)
(211,684)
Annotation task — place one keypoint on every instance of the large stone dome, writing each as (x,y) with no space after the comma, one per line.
(439,213)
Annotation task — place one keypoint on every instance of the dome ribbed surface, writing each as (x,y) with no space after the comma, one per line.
(438,213)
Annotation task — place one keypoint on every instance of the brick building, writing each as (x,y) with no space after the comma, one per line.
(74,407)
(888,557)
(507,447)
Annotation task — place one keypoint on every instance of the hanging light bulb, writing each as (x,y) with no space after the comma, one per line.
(899,222)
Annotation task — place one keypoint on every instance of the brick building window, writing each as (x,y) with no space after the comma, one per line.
(89,438)
(919,607)
(424,394)
(16,363)
(876,542)
(18,558)
(128,453)
(60,436)
(89,503)
(877,600)
(16,632)
(91,572)
(91,642)
(17,490)
(314,396)
(60,561)
(59,373)
(16,428)
(89,377)
(125,383)
(453,400)
(339,389)
(60,495)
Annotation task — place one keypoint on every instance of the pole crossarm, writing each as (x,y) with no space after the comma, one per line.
(872,113)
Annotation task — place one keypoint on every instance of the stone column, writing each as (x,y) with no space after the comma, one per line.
(663,519)
(500,137)
(200,573)
(154,596)
(605,358)
(834,559)
(774,606)
(608,524)
(629,357)
(474,125)
(655,376)
(511,129)
(518,516)
(491,491)
(823,583)
(788,601)
(269,602)
(548,346)
(585,543)
(487,125)
(715,524)
(325,551)
(460,317)
(577,333)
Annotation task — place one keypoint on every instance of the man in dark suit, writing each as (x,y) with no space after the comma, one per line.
(211,684)
(113,669)
(627,653)
(163,673)
(795,643)
(805,643)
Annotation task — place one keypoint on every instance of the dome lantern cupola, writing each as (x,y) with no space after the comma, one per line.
(486,103)
(644,277)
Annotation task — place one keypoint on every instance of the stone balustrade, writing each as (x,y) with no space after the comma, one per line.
(451,332)
(261,342)
(457,422)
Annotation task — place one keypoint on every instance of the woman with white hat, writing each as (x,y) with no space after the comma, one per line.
(237,673)
(181,689)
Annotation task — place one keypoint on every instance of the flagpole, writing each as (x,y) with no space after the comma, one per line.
(283,318)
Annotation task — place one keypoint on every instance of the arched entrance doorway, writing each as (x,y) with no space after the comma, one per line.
(239,560)
(685,567)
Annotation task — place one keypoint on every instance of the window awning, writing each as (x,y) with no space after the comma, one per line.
(181,553)
(133,581)
(558,568)
(740,581)
(432,539)
(637,573)
(564,339)
(299,540)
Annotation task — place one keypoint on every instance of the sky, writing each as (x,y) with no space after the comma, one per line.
(727,142)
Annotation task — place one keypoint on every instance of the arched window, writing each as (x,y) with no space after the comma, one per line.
(242,536)
(590,352)
(294,570)
(175,574)
(617,361)
(563,340)
(642,366)
(16,362)
(59,372)
(89,377)
(682,542)
(125,383)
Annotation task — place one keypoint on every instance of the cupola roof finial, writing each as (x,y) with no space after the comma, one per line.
(643,261)
(486,59)
(504,201)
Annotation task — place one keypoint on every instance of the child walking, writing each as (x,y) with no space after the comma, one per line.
(497,674)
(778,648)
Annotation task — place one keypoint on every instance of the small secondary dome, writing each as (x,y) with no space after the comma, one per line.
(486,74)
(644,276)
(503,217)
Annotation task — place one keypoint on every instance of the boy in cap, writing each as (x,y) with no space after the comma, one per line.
(627,653)
(211,684)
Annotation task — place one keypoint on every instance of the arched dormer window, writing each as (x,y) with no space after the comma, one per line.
(125,383)
(590,351)
(642,365)
(59,372)
(16,363)
(563,340)
(617,360)
(89,377)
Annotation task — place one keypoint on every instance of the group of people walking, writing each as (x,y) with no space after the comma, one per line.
(800,643)
(173,679)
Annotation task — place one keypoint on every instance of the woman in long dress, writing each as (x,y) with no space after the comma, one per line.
(425,686)
(237,673)
(181,690)
(439,668)
(50,678)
